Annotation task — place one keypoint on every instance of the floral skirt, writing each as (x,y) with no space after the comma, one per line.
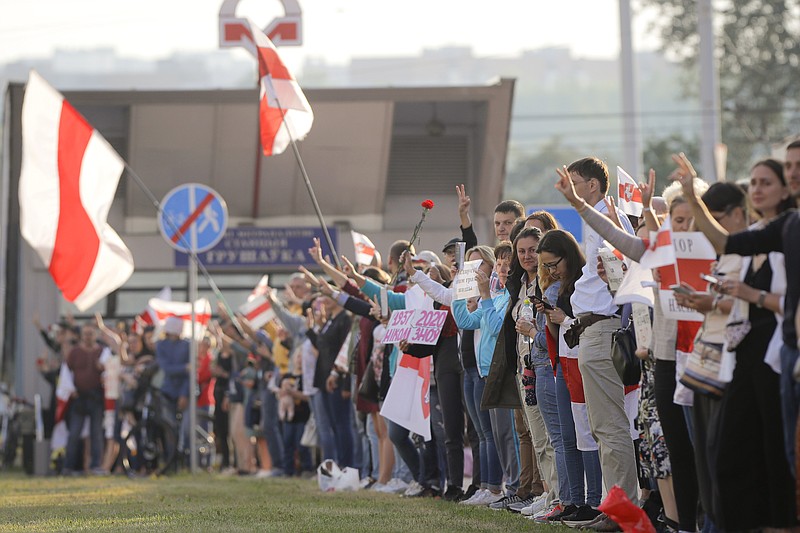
(653,455)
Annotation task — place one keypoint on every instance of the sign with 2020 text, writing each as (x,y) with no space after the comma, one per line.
(417,326)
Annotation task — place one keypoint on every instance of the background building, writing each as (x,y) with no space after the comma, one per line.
(372,155)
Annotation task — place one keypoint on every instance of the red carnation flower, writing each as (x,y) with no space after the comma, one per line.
(428,204)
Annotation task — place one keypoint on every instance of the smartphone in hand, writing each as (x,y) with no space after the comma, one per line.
(544,303)
(680,289)
(710,279)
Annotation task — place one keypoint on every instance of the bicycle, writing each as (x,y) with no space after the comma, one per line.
(149,436)
(204,442)
(148,440)
(12,410)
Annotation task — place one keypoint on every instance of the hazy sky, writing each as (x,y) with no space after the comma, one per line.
(333,29)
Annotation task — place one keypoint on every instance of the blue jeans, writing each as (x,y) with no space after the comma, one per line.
(374,448)
(507,443)
(91,405)
(271,428)
(327,440)
(579,463)
(434,452)
(340,414)
(404,446)
(292,433)
(491,471)
(790,401)
(546,398)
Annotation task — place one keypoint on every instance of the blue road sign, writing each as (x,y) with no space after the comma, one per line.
(568,219)
(193,217)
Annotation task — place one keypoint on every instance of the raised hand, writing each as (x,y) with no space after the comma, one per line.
(347,266)
(648,189)
(463,201)
(565,186)
(310,277)
(408,265)
(375,309)
(483,283)
(685,174)
(325,288)
(316,252)
(613,214)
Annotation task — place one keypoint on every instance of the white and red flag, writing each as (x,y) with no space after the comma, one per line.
(67,183)
(365,250)
(202,310)
(148,317)
(660,251)
(285,114)
(260,289)
(629,197)
(258,311)
(408,401)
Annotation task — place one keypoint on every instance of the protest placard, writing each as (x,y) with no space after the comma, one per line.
(417,326)
(465,284)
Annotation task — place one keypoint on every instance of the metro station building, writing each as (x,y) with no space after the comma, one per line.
(373,155)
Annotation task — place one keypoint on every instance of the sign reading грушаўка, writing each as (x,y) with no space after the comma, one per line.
(260,248)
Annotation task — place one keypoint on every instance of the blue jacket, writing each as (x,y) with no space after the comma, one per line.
(172,357)
(488,317)
(396,300)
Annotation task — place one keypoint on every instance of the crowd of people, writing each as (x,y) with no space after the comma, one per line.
(522,378)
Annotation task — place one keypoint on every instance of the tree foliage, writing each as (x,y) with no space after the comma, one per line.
(531,178)
(758,51)
(658,156)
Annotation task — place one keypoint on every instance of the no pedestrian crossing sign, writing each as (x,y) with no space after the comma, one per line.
(193,218)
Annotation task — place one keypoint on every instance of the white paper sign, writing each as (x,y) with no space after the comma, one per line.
(613,266)
(417,326)
(642,326)
(465,284)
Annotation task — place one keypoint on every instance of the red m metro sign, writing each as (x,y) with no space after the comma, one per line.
(282,31)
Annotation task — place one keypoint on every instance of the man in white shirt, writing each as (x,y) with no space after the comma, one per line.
(593,303)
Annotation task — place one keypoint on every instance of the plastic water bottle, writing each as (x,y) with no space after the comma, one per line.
(526,311)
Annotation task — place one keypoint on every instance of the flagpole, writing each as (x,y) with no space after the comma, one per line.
(306,179)
(313,199)
(192,254)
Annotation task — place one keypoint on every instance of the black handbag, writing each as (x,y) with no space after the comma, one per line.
(623,355)
(368,390)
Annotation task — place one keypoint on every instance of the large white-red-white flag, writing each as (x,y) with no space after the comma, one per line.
(365,250)
(629,197)
(408,401)
(660,251)
(258,311)
(67,183)
(202,313)
(148,317)
(285,114)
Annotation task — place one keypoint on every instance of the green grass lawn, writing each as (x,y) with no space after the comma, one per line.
(215,503)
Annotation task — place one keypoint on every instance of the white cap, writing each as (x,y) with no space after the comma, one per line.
(173,326)
(426,256)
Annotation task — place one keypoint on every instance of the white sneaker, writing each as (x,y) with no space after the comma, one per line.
(414,489)
(398,485)
(475,498)
(536,506)
(382,487)
(491,498)
(544,512)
